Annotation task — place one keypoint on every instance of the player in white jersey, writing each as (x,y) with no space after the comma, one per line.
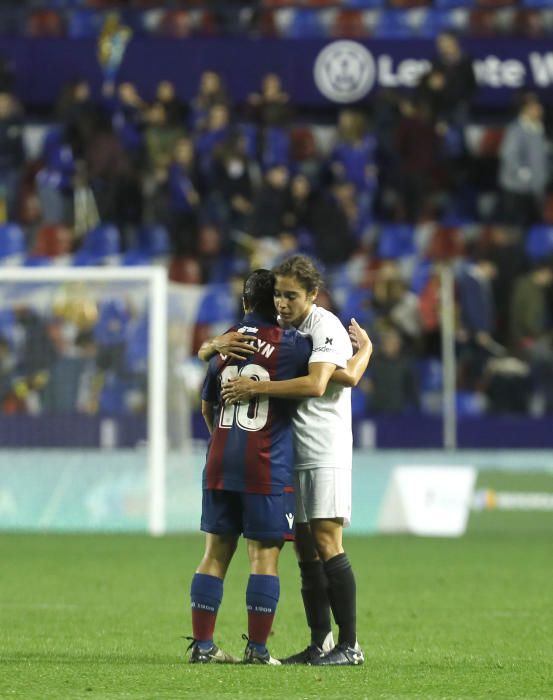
(323,447)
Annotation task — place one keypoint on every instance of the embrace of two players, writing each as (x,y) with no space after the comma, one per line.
(277,402)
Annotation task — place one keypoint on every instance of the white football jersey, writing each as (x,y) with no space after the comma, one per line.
(322,425)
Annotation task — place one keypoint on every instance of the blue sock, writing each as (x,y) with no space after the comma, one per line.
(206,593)
(262,597)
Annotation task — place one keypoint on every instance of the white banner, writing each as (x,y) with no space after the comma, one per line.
(431,501)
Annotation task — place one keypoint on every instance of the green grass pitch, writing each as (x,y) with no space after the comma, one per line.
(105,616)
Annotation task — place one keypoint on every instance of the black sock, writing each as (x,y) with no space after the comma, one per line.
(341,594)
(315,600)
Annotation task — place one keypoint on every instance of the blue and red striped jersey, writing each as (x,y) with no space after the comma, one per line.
(251,447)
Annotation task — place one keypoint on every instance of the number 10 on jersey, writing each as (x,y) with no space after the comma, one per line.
(251,415)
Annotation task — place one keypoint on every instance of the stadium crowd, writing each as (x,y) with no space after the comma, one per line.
(282,18)
(403,184)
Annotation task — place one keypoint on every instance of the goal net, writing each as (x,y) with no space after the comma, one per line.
(96,389)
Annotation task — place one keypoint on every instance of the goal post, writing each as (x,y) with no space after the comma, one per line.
(155,279)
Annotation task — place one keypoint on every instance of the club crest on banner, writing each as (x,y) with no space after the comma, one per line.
(344,71)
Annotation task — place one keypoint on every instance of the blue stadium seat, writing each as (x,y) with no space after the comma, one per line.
(358,403)
(221,268)
(430,374)
(276,147)
(249,132)
(396,241)
(113,322)
(358,305)
(137,345)
(392,24)
(218,305)
(364,4)
(421,275)
(112,396)
(37,261)
(12,240)
(455,19)
(8,329)
(99,243)
(154,240)
(84,22)
(305,23)
(134,258)
(539,241)
(451,4)
(424,22)
(51,143)
(469,403)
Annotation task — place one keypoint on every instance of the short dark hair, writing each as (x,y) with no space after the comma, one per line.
(303,269)
(258,293)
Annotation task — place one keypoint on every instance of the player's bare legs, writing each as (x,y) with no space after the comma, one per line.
(219,550)
(262,596)
(206,593)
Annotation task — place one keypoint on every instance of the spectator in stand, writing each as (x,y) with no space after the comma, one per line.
(8,367)
(477,312)
(531,327)
(353,157)
(524,162)
(419,151)
(430,314)
(432,91)
(271,107)
(176,110)
(7,74)
(507,254)
(211,92)
(394,305)
(114,181)
(271,203)
(392,386)
(160,139)
(333,221)
(216,130)
(299,216)
(55,180)
(12,155)
(231,183)
(183,200)
(76,110)
(127,110)
(458,77)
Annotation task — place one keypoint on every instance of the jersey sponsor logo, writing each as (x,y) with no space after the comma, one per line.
(323,348)
(290,519)
(247,330)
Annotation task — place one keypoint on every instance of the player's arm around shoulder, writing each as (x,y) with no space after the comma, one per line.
(310,384)
(232,344)
(357,364)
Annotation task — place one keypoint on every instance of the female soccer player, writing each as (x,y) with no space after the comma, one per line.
(323,458)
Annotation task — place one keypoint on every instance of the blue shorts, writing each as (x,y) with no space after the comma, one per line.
(258,517)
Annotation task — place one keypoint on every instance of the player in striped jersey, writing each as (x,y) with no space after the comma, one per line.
(248,476)
(323,458)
